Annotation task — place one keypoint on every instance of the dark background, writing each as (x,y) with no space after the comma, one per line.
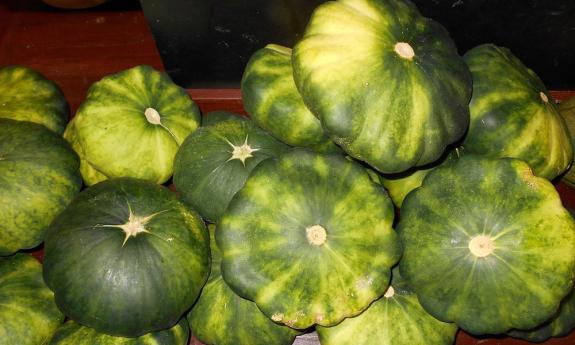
(207,43)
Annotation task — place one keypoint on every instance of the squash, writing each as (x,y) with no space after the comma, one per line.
(39,177)
(28,313)
(386,83)
(214,162)
(26,95)
(308,238)
(512,114)
(487,245)
(126,258)
(131,124)
(271,98)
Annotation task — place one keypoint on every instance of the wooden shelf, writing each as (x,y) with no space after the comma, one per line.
(77,48)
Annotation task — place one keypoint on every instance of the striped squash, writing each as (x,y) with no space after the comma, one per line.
(274,103)
(386,83)
(131,125)
(309,239)
(512,114)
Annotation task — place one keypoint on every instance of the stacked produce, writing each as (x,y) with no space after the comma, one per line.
(302,235)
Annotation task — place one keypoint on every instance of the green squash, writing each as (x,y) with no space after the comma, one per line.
(309,239)
(567,111)
(221,317)
(399,185)
(562,323)
(39,177)
(512,114)
(90,175)
(214,117)
(271,98)
(26,95)
(386,83)
(215,161)
(132,124)
(487,245)
(72,333)
(28,313)
(396,318)
(126,258)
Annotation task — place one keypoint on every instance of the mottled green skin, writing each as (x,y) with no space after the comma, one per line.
(510,118)
(559,326)
(567,111)
(28,313)
(89,174)
(391,112)
(127,289)
(221,317)
(267,257)
(532,267)
(26,95)
(73,334)
(214,117)
(114,135)
(39,177)
(204,172)
(396,319)
(271,98)
(399,185)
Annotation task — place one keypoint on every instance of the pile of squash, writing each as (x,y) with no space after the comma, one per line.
(384,190)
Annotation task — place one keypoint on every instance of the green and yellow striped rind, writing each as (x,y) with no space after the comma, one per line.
(116,137)
(72,333)
(28,313)
(221,317)
(391,112)
(39,177)
(397,318)
(399,185)
(567,111)
(512,114)
(126,286)
(90,175)
(532,266)
(268,258)
(271,98)
(559,326)
(214,117)
(205,171)
(26,95)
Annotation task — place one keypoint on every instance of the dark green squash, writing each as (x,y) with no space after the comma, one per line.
(215,161)
(487,245)
(309,239)
(28,313)
(126,258)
